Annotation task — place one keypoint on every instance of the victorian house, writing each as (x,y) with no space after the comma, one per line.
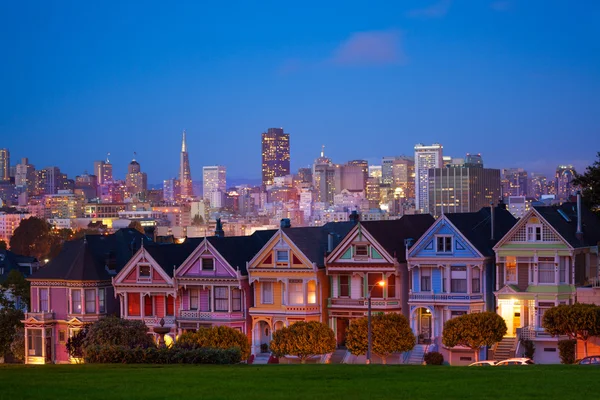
(542,261)
(72,290)
(452,272)
(288,279)
(370,253)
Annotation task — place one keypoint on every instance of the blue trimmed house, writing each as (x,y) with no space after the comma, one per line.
(452,272)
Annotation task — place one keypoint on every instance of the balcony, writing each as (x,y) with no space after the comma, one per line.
(362,303)
(40,316)
(209,316)
(445,297)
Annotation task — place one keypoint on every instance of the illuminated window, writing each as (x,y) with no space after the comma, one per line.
(133,304)
(34,342)
(295,291)
(311,291)
(376,290)
(170,311)
(148,306)
(511,269)
(76,301)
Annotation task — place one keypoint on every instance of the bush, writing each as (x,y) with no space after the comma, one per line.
(566,349)
(264,348)
(303,340)
(217,337)
(114,354)
(433,358)
(119,332)
(528,348)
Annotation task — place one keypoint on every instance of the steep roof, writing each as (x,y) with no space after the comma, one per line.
(171,255)
(476,227)
(566,224)
(391,234)
(87,259)
(10,261)
(312,241)
(238,250)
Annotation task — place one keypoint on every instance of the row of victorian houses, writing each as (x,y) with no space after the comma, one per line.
(433,270)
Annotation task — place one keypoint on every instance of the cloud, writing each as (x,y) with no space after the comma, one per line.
(500,5)
(370,48)
(436,10)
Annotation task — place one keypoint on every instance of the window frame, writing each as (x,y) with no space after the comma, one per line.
(86,300)
(346,285)
(40,299)
(549,269)
(534,233)
(80,301)
(205,261)
(236,299)
(456,281)
(143,278)
(364,251)
(425,278)
(220,300)
(101,300)
(192,297)
(281,252)
(263,291)
(295,296)
(446,242)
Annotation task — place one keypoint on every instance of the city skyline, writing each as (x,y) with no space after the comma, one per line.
(474,76)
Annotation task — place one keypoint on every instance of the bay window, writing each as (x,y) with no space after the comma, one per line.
(511,269)
(44,303)
(101,300)
(133,304)
(311,292)
(170,305)
(266,292)
(193,299)
(372,280)
(344,286)
(295,291)
(425,279)
(148,306)
(221,298)
(458,279)
(236,300)
(90,301)
(76,301)
(546,270)
(391,286)
(476,280)
(34,342)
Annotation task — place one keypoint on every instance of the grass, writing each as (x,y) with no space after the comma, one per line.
(307,382)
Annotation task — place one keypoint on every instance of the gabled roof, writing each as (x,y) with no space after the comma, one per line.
(87,259)
(170,256)
(391,234)
(476,227)
(238,250)
(566,224)
(10,261)
(312,241)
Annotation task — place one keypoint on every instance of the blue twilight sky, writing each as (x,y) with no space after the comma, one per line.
(516,80)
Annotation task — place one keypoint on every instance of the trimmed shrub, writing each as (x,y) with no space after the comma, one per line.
(528,348)
(218,337)
(433,358)
(114,354)
(303,340)
(566,349)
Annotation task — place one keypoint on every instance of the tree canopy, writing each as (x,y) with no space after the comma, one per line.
(577,321)
(391,333)
(474,331)
(303,340)
(3,245)
(32,238)
(590,185)
(18,286)
(137,225)
(197,220)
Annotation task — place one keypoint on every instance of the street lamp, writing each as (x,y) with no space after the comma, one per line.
(369,339)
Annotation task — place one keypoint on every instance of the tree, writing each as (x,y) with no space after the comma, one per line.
(303,340)
(137,225)
(198,220)
(577,321)
(10,322)
(18,286)
(474,331)
(590,185)
(32,238)
(218,337)
(3,245)
(391,333)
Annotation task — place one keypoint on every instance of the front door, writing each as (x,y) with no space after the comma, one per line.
(425,332)
(516,321)
(48,344)
(341,326)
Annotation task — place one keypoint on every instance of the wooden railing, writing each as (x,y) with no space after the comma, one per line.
(40,316)
(206,315)
(444,297)
(375,303)
(154,321)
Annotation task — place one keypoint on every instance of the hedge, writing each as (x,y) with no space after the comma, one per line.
(567,349)
(111,354)
(433,358)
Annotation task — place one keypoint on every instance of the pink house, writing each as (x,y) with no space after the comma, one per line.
(72,290)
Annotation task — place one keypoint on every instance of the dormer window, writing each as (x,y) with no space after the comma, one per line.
(361,251)
(534,233)
(444,244)
(208,264)
(282,256)
(144,273)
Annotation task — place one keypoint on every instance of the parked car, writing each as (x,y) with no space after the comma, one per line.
(515,361)
(487,363)
(590,360)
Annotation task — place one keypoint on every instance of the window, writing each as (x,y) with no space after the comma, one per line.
(90,301)
(511,269)
(221,298)
(282,256)
(373,279)
(458,279)
(361,250)
(34,342)
(391,286)
(148,306)
(534,233)
(101,300)
(266,292)
(562,272)
(62,336)
(133,304)
(236,300)
(76,301)
(425,279)
(344,286)
(193,299)
(208,264)
(454,314)
(44,306)
(295,291)
(444,244)
(542,308)
(546,270)
(144,273)
(170,311)
(476,281)
(311,292)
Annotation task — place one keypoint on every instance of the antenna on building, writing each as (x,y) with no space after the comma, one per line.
(134,155)
(107,156)
(322,151)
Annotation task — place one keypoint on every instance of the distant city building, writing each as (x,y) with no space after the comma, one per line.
(25,176)
(87,185)
(537,186)
(563,181)
(403,174)
(186,190)
(426,157)
(9,222)
(103,170)
(63,205)
(48,181)
(305,175)
(364,165)
(462,189)
(372,192)
(170,190)
(387,176)
(514,182)
(136,180)
(4,165)
(214,180)
(518,205)
(375,172)
(275,155)
(324,174)
(473,160)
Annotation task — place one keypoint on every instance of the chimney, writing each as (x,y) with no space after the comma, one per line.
(285,223)
(579,233)
(219,232)
(492,220)
(329,242)
(354,216)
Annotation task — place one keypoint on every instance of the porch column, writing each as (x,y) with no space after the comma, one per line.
(44,344)
(229,299)
(534,270)
(469,279)
(498,275)
(305,291)
(447,274)
(572,269)
(126,304)
(211,306)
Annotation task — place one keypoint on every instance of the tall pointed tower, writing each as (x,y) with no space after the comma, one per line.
(185,176)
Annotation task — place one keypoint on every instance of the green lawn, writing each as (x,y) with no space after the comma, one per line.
(297,382)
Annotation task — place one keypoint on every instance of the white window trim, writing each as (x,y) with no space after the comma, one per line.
(262,293)
(144,279)
(277,251)
(516,280)
(437,250)
(534,226)
(202,264)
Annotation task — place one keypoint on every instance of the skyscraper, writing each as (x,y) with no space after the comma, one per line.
(25,176)
(426,157)
(214,184)
(564,176)
(4,165)
(186,190)
(136,180)
(103,170)
(514,182)
(275,155)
